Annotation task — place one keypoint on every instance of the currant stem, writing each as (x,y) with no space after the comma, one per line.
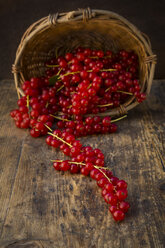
(27,101)
(48,127)
(60,139)
(105,105)
(108,70)
(58,73)
(59,118)
(70,162)
(97,167)
(69,73)
(75,72)
(125,92)
(96,57)
(107,89)
(62,86)
(89,86)
(118,119)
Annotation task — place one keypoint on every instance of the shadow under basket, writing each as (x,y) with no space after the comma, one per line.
(96,29)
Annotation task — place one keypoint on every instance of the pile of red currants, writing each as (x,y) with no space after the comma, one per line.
(75,89)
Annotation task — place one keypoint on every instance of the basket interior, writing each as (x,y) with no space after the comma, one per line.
(64,37)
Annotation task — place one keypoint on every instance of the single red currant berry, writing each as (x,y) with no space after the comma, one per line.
(66,151)
(118,215)
(14,112)
(93,173)
(74,151)
(121,184)
(114,180)
(65,166)
(100,155)
(34,113)
(74,168)
(48,140)
(77,143)
(99,162)
(104,192)
(96,119)
(89,166)
(101,183)
(112,209)
(23,109)
(124,206)
(85,171)
(80,56)
(113,199)
(96,151)
(80,157)
(56,166)
(106,121)
(109,173)
(121,194)
(109,187)
(34,133)
(55,143)
(97,128)
(39,126)
(98,176)
(106,197)
(68,56)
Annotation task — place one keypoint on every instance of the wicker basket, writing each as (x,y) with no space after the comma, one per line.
(97,29)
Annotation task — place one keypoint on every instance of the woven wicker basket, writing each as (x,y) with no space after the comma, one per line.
(97,29)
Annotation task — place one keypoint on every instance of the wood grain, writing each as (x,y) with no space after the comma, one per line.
(44,208)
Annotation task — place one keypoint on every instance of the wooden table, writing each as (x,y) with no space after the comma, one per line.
(40,207)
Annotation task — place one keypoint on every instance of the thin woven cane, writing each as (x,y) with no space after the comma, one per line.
(98,29)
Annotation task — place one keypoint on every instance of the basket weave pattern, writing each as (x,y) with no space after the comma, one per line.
(98,29)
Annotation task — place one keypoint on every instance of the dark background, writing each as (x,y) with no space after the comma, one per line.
(17,15)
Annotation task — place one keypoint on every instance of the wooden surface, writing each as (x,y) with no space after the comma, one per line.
(40,207)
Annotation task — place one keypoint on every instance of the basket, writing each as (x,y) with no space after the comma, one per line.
(98,29)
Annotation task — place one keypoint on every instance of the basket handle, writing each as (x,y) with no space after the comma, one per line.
(79,14)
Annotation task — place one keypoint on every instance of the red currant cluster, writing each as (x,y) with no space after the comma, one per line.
(90,125)
(88,161)
(82,82)
(92,82)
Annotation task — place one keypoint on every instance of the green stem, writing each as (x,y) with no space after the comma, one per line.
(118,119)
(98,168)
(48,127)
(70,162)
(59,118)
(125,92)
(60,139)
(27,101)
(105,105)
(62,86)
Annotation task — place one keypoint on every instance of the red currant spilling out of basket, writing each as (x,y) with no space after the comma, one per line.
(74,92)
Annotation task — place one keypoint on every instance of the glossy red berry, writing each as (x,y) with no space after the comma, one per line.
(121,194)
(101,183)
(34,133)
(74,168)
(118,215)
(64,166)
(85,171)
(56,166)
(124,206)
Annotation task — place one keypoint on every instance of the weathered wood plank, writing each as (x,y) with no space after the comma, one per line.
(50,209)
(11,143)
